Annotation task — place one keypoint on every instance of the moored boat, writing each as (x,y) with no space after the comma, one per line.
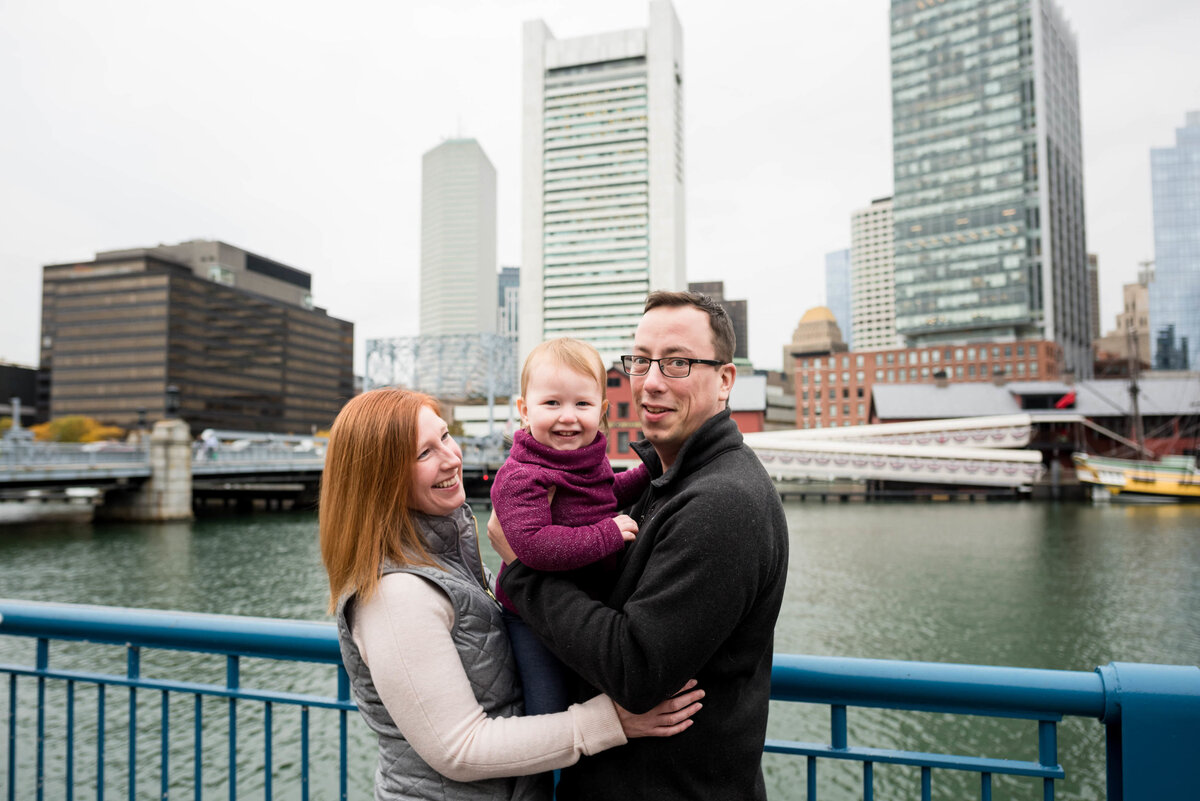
(1170,478)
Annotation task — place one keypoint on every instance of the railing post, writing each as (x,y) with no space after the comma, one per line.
(1154,711)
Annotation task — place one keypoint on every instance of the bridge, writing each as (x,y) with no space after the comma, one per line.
(234,468)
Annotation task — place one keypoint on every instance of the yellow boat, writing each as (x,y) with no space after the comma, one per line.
(1170,478)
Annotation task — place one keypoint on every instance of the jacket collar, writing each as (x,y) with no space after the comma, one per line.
(443,533)
(527,449)
(716,435)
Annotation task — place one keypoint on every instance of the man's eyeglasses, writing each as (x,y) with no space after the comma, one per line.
(671,366)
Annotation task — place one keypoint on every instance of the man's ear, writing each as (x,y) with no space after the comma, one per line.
(727,373)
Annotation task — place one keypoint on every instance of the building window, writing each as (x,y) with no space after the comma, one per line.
(221,275)
(859,391)
(614,381)
(845,361)
(804,410)
(804,395)
(983,370)
(958,372)
(924,372)
(924,357)
(970,371)
(1033,368)
(1020,351)
(995,351)
(936,356)
(891,358)
(1008,351)
(858,360)
(832,393)
(891,376)
(845,392)
(845,378)
(958,354)
(846,409)
(860,410)
(912,374)
(860,376)
(622,442)
(1020,368)
(879,375)
(622,410)
(971,354)
(816,378)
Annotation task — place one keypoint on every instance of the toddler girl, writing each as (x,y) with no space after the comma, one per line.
(556,497)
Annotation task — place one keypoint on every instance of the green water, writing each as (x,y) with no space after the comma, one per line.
(1030,584)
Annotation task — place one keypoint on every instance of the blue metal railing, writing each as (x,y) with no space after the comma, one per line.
(1151,713)
(234,638)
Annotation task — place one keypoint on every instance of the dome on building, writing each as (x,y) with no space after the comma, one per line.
(818,314)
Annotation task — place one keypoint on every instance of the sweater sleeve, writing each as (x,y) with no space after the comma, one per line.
(403,633)
(629,485)
(701,577)
(521,498)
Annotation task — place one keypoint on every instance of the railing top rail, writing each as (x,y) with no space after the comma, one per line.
(268,638)
(939,687)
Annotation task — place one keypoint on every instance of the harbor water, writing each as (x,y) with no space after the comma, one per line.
(1060,586)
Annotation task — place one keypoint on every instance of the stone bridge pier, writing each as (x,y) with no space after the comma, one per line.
(167,495)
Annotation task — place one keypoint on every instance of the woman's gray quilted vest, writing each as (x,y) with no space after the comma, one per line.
(487,658)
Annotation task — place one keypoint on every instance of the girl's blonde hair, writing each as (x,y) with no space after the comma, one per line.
(574,355)
(364,515)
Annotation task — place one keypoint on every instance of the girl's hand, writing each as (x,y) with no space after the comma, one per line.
(628,527)
(668,718)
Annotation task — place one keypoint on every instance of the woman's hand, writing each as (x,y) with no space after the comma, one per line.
(499,543)
(668,718)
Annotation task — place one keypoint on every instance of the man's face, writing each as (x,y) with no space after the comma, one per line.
(671,409)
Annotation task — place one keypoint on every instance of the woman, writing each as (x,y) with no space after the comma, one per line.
(420,630)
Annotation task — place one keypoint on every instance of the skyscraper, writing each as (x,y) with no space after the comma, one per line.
(458,240)
(1175,291)
(508,285)
(837,288)
(988,175)
(872,285)
(739,316)
(602,180)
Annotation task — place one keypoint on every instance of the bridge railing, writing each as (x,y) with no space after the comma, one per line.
(1151,713)
(16,454)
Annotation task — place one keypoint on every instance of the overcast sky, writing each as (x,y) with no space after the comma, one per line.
(296,129)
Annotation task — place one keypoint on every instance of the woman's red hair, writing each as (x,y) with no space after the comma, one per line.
(365,518)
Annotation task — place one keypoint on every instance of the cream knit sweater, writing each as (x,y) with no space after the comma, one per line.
(403,634)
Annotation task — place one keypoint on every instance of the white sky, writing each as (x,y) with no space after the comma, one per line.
(295,129)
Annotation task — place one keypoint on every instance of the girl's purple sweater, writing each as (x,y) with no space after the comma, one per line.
(574,526)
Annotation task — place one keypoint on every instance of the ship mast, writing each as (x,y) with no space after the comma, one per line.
(1134,367)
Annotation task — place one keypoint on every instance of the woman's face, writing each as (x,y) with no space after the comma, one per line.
(437,474)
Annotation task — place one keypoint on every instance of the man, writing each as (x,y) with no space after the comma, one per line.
(697,593)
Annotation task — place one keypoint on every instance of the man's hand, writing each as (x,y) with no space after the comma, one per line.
(496,538)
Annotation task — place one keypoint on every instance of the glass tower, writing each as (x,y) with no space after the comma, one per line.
(837,287)
(988,204)
(602,190)
(1175,291)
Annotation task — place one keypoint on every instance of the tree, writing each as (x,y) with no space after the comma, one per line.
(75,428)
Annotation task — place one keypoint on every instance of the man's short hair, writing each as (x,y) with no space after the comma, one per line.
(718,319)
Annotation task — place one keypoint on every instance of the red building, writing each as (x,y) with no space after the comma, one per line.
(835,389)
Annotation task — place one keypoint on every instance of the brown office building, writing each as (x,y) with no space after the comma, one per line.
(834,389)
(234,332)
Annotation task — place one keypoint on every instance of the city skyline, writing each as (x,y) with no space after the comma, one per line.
(292,145)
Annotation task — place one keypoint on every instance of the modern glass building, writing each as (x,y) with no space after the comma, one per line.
(837,287)
(1175,290)
(602,188)
(988,202)
(458,240)
(872,283)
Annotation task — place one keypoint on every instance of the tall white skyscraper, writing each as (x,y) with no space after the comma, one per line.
(602,180)
(837,288)
(872,284)
(458,240)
